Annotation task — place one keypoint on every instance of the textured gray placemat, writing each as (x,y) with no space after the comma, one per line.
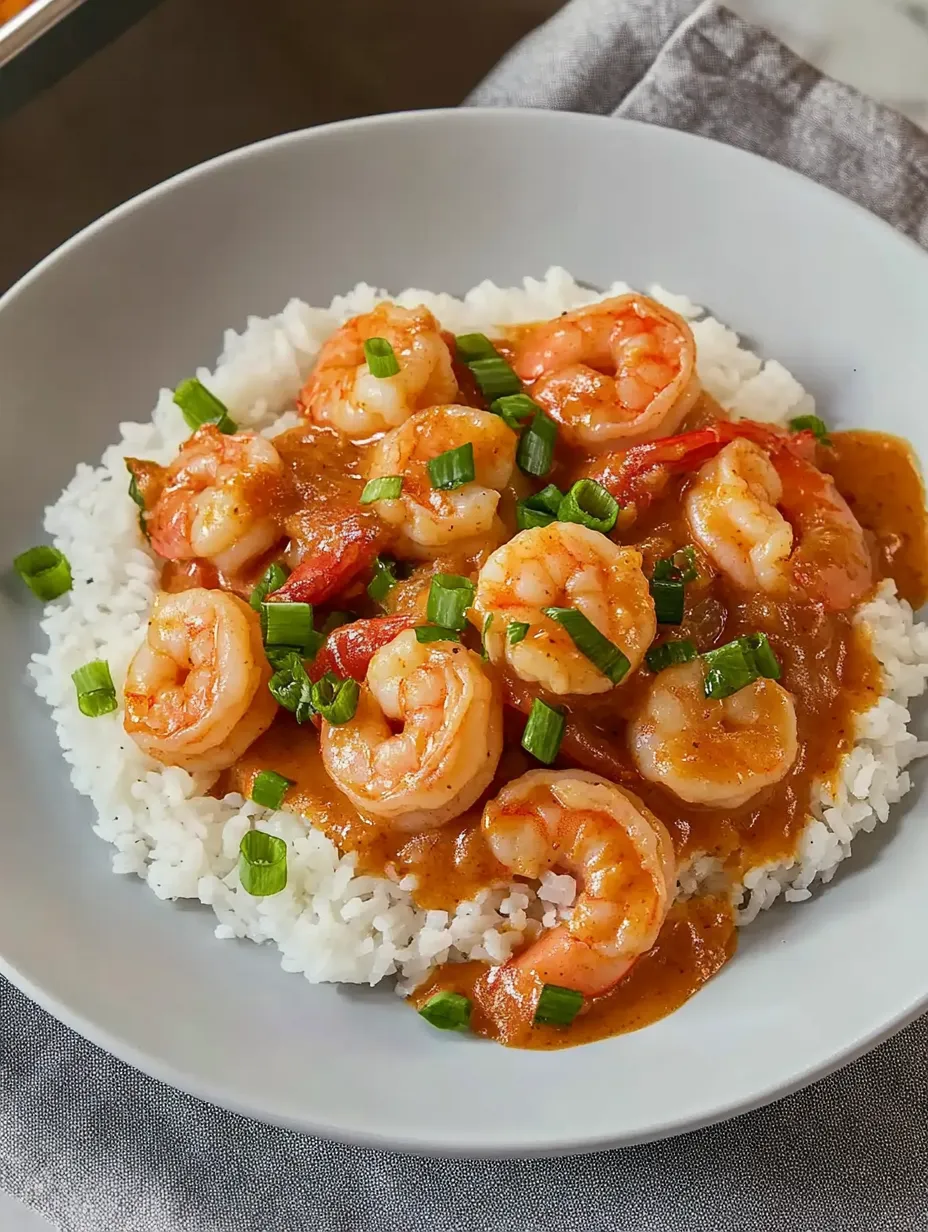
(97,1147)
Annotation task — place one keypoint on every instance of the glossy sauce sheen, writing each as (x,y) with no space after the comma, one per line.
(826,665)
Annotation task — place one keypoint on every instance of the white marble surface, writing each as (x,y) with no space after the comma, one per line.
(879,46)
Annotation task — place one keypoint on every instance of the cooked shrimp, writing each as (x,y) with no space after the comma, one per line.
(341,391)
(429,520)
(717,752)
(216,501)
(563,565)
(617,849)
(450,741)
(614,373)
(196,692)
(772,521)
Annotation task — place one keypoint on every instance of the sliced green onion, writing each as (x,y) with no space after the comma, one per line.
(274,577)
(450,595)
(279,656)
(589,504)
(516,631)
(540,509)
(765,660)
(558,1006)
(681,567)
(543,731)
(513,408)
(335,620)
(496,377)
(136,496)
(436,633)
(811,423)
(448,1011)
(669,654)
(291,687)
(728,669)
(200,407)
(381,357)
(668,601)
(386,488)
(488,621)
(453,468)
(96,693)
(535,452)
(45,570)
(739,663)
(269,789)
(384,578)
(469,347)
(289,624)
(262,863)
(336,700)
(602,653)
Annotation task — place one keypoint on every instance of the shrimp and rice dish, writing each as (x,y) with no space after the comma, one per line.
(518,648)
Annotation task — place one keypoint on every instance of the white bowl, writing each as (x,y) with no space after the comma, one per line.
(438,200)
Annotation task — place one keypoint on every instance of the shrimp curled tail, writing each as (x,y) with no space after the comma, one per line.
(450,738)
(616,372)
(196,690)
(620,853)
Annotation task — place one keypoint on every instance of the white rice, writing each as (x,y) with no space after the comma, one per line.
(329,923)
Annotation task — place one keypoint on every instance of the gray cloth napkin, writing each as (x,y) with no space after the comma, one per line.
(98,1147)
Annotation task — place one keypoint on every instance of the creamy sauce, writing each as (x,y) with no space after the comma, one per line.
(697,939)
(826,665)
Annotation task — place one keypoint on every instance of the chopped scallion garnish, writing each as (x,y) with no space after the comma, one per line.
(450,596)
(487,622)
(453,468)
(269,789)
(557,1006)
(448,1011)
(535,453)
(811,423)
(136,496)
(336,700)
(668,601)
(765,660)
(540,509)
(386,488)
(436,633)
(496,378)
(513,408)
(669,654)
(589,504)
(96,693)
(262,863)
(602,653)
(45,570)
(739,663)
(473,346)
(200,407)
(290,624)
(543,731)
(516,631)
(291,687)
(381,357)
(274,577)
(384,578)
(680,567)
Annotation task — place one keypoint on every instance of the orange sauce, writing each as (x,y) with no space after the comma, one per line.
(9,8)
(826,665)
(697,939)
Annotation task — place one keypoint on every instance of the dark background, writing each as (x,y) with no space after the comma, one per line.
(192,78)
